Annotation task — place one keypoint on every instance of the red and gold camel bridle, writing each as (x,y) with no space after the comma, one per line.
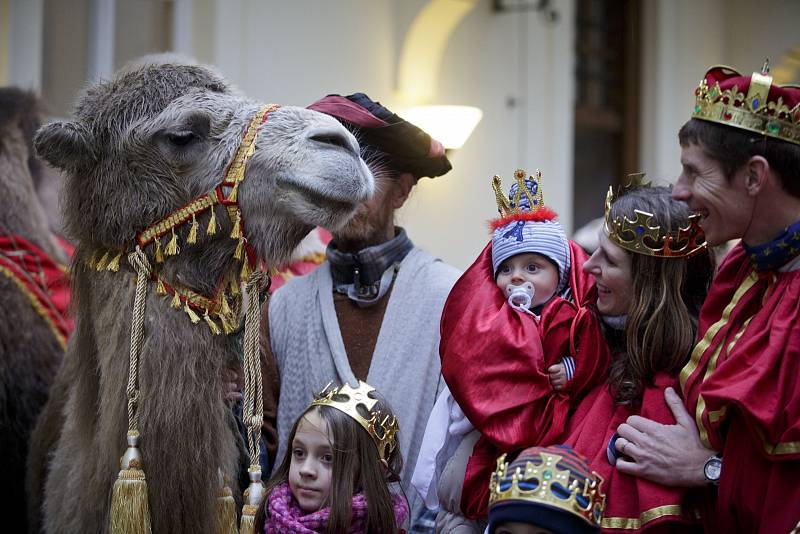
(223,305)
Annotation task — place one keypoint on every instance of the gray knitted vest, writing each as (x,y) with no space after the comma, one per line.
(405,368)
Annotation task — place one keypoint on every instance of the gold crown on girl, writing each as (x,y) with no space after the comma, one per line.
(766,108)
(564,489)
(381,427)
(508,207)
(640,236)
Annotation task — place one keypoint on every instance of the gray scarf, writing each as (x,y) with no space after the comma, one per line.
(366,276)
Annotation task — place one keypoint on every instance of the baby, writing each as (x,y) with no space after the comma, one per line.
(506,336)
(531,256)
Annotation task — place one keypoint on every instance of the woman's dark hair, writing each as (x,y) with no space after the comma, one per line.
(356,469)
(733,147)
(667,294)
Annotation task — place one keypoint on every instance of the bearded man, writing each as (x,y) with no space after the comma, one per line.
(371,311)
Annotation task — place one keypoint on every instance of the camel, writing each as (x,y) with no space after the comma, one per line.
(144,145)
(32,331)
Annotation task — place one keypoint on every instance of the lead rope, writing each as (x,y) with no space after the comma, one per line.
(253,407)
(130,512)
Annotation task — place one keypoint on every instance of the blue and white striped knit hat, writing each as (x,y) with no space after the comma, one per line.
(534,230)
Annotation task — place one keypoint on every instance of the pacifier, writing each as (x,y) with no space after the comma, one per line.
(520,296)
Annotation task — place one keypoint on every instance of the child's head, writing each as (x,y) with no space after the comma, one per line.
(345,443)
(546,489)
(528,243)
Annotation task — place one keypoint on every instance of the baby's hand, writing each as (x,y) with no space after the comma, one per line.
(558,376)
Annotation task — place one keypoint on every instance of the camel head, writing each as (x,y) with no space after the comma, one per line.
(158,135)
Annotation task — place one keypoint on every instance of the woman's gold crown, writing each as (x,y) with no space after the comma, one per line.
(381,427)
(640,236)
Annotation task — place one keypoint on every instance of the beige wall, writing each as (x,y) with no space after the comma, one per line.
(682,38)
(5,43)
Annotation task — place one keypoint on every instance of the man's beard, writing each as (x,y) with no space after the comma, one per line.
(367,228)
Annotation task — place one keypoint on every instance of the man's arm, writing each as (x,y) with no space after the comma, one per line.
(672,455)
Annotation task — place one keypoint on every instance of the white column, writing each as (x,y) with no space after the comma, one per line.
(182,24)
(102,29)
(229,36)
(681,39)
(25,22)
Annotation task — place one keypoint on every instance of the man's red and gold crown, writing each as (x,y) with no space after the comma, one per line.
(751,103)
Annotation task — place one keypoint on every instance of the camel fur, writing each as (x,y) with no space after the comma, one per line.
(30,354)
(141,146)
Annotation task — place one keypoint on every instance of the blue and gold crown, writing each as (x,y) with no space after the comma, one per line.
(556,477)
(640,236)
(526,196)
(381,427)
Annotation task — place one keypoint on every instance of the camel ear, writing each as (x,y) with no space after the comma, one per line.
(66,145)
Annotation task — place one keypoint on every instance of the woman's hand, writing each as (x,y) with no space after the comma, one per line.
(672,455)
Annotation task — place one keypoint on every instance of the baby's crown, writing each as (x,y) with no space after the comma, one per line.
(525,194)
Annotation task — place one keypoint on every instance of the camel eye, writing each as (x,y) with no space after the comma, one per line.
(181,138)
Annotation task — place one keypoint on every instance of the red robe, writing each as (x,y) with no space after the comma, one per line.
(633,504)
(742,385)
(495,360)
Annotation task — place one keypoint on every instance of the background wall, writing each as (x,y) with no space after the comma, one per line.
(516,66)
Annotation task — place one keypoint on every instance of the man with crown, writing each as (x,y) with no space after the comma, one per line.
(737,436)
(371,311)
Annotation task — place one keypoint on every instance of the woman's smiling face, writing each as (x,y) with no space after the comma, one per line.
(611,267)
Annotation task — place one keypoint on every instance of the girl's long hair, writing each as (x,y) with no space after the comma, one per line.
(667,294)
(357,468)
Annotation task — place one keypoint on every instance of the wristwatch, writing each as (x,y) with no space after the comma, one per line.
(712,470)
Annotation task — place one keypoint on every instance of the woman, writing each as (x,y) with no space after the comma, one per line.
(648,300)
(641,317)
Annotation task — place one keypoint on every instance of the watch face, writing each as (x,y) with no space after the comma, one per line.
(712,469)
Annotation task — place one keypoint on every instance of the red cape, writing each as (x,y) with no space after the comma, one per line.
(302,266)
(742,384)
(42,280)
(495,359)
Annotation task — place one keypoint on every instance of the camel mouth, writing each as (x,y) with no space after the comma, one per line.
(321,200)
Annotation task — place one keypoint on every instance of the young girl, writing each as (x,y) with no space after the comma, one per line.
(343,456)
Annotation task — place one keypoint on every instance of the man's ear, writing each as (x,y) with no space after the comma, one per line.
(402,188)
(756,175)
(66,145)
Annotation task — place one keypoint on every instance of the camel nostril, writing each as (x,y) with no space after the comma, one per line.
(332,138)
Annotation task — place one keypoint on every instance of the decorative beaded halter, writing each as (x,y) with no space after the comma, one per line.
(224,305)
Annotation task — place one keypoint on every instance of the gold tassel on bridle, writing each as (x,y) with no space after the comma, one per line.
(253,408)
(226,509)
(130,511)
(192,238)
